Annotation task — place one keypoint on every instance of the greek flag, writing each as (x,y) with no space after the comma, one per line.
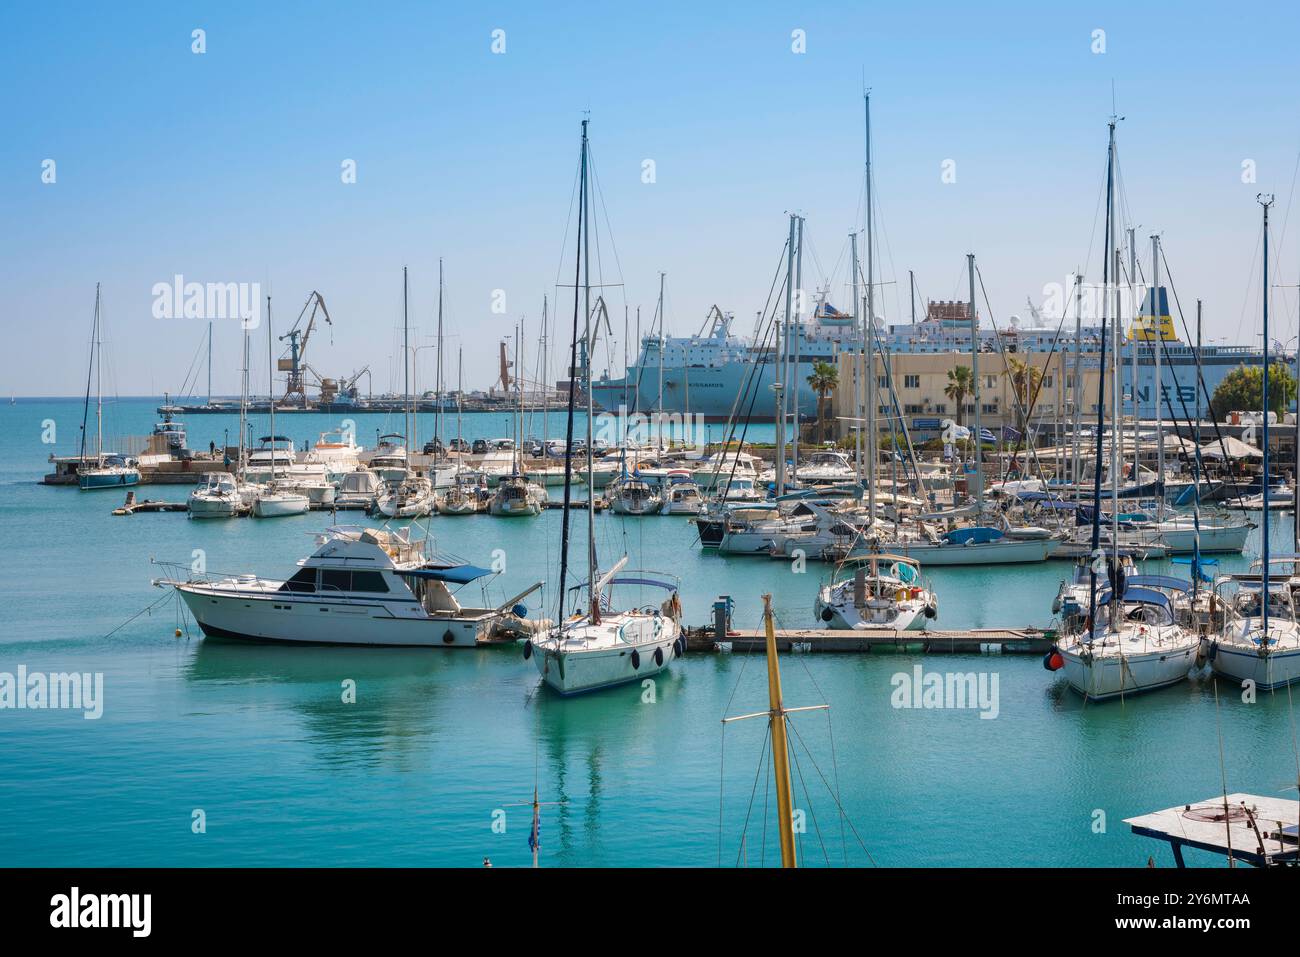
(986,435)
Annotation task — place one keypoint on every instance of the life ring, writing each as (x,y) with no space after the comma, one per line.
(636,659)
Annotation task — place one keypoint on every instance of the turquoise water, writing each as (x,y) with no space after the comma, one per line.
(437,741)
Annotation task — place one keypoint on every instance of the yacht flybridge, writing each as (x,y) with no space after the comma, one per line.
(362,586)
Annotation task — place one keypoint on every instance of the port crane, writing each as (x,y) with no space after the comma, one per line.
(298,336)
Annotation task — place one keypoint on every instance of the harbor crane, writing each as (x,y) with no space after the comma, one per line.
(298,336)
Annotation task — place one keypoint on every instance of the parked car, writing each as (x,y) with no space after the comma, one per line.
(458,445)
(479,447)
(433,447)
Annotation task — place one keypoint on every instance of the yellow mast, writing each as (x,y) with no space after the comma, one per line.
(780,750)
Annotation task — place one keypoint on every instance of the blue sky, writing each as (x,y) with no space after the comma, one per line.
(225,166)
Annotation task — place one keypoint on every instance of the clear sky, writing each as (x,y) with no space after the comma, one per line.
(226,166)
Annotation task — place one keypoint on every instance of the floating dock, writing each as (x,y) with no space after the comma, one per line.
(1261,831)
(133,507)
(972,641)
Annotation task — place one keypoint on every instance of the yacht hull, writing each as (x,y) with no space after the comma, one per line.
(1102,677)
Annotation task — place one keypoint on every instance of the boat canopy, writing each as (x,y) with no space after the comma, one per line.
(1140,596)
(1159,581)
(978,535)
(456,574)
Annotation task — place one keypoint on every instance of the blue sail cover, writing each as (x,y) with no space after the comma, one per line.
(456,574)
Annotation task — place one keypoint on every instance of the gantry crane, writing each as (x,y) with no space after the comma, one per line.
(298,336)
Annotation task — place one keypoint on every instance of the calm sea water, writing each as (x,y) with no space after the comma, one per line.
(440,746)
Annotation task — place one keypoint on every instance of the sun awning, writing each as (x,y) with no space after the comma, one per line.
(456,574)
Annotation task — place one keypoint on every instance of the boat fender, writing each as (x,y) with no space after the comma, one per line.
(1056,604)
(528,649)
(520,610)
(1053,661)
(931,611)
(659,657)
(680,645)
(636,658)
(827,614)
(1214,651)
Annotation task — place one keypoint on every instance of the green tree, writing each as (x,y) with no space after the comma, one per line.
(1025,377)
(961,385)
(1242,390)
(824,378)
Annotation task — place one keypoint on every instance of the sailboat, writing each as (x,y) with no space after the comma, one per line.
(515,496)
(1260,640)
(273,500)
(596,646)
(884,591)
(109,471)
(1133,637)
(411,496)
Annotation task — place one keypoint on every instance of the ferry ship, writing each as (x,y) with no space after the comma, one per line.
(712,373)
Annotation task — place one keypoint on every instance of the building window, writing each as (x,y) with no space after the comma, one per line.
(1047,383)
(911,382)
(942,409)
(990,382)
(989,407)
(913,409)
(882,382)
(1069,383)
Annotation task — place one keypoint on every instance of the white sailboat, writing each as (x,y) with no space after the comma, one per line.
(596,646)
(1131,639)
(273,500)
(1260,640)
(885,591)
(108,470)
(217,497)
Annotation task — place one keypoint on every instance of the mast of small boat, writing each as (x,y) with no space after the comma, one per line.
(859,380)
(460,394)
(437,415)
(869,319)
(975,374)
(209,362)
(519,387)
(659,423)
(90,368)
(593,592)
(780,746)
(783,336)
(1157,314)
(243,408)
(793,378)
(1077,394)
(1196,468)
(270,383)
(1265,200)
(543,346)
(1111,260)
(406,373)
(99,384)
(1133,351)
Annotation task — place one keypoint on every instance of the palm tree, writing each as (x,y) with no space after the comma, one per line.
(1025,377)
(960,385)
(824,378)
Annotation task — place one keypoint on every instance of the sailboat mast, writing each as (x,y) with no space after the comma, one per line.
(1157,313)
(782,345)
(270,382)
(1196,469)
(99,382)
(1133,343)
(859,380)
(437,416)
(586,384)
(780,746)
(793,378)
(1111,260)
(1266,201)
(1077,395)
(209,362)
(869,312)
(406,369)
(975,374)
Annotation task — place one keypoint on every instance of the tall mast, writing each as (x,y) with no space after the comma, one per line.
(1157,313)
(1133,343)
(586,370)
(975,374)
(406,370)
(573,381)
(660,348)
(782,346)
(546,377)
(209,362)
(780,746)
(1076,398)
(1196,467)
(460,393)
(270,381)
(859,383)
(1110,258)
(793,378)
(1265,200)
(99,383)
(437,416)
(243,407)
(869,319)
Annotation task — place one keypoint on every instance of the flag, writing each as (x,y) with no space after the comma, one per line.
(535,835)
(986,435)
